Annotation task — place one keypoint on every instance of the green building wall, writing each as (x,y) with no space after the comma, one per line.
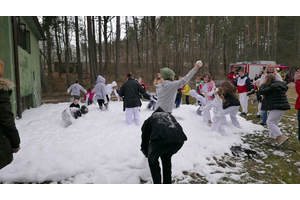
(29,64)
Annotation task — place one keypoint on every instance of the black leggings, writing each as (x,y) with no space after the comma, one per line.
(100,102)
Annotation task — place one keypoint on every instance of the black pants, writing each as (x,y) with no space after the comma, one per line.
(165,152)
(100,102)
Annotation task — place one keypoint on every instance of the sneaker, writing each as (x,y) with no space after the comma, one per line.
(282,139)
(243,114)
(106,106)
(271,141)
(263,124)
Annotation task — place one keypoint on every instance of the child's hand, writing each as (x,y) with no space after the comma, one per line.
(198,64)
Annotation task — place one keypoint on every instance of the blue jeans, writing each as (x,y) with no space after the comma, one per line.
(299,125)
(255,100)
(264,116)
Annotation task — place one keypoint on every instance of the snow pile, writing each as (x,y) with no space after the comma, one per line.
(101,148)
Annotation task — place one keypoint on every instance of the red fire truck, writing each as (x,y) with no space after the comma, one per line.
(253,68)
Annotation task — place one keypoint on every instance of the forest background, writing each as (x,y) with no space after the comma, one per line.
(149,43)
(145,37)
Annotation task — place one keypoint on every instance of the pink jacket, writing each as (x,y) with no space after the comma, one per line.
(210,86)
(91,95)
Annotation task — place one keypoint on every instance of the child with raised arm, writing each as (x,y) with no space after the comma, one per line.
(167,93)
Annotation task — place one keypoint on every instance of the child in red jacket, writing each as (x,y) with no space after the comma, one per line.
(297,103)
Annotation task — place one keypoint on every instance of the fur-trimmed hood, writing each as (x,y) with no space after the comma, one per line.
(6,84)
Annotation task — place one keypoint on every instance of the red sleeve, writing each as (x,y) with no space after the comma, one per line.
(297,87)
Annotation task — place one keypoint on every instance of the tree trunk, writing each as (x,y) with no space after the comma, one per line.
(94,48)
(118,48)
(127,42)
(106,63)
(44,83)
(79,65)
(100,47)
(49,63)
(90,49)
(58,52)
(137,40)
(67,52)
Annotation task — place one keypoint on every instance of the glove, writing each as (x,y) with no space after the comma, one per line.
(199,62)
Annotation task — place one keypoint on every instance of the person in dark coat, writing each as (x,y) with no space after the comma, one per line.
(162,136)
(274,100)
(130,92)
(9,135)
(231,104)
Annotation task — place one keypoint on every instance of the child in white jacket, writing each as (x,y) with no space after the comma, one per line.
(72,113)
(219,115)
(109,88)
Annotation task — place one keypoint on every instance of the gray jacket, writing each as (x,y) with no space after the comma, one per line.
(76,89)
(168,90)
(100,90)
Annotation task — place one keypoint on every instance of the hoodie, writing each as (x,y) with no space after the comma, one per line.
(109,89)
(100,90)
(160,128)
(167,93)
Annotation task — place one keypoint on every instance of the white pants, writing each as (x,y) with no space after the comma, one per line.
(244,101)
(232,111)
(136,115)
(218,125)
(206,111)
(273,121)
(259,108)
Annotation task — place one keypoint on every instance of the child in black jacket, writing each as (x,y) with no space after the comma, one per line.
(162,136)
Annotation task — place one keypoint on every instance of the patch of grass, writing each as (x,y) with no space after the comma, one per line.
(273,165)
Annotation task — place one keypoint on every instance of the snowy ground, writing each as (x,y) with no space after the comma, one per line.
(101,148)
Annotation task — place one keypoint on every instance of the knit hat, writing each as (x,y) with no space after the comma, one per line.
(167,73)
(84,109)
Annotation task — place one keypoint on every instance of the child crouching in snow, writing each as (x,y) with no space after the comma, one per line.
(71,113)
(219,114)
(200,101)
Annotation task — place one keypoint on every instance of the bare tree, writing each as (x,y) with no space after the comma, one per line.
(79,65)
(118,48)
(67,52)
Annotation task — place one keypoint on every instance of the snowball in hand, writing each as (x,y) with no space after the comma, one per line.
(199,62)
